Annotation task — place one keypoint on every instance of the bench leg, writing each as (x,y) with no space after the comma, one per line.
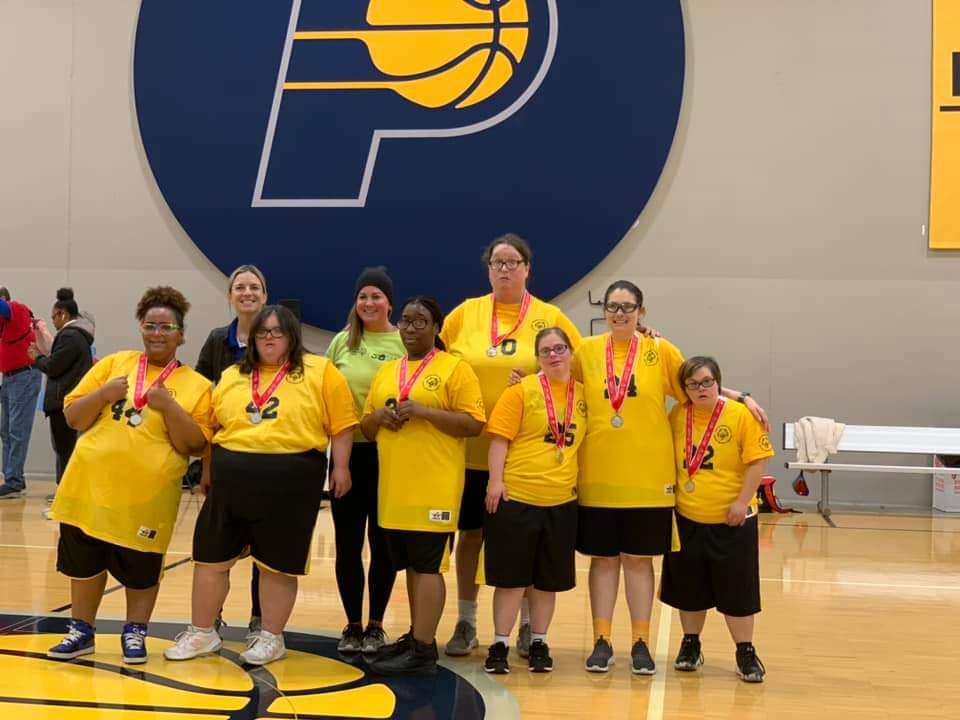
(823,505)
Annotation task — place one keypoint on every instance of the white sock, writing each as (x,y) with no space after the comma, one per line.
(524,612)
(205,630)
(505,639)
(468,611)
(538,636)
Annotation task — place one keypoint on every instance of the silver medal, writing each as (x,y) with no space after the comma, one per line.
(256,417)
(690,486)
(135,419)
(491,352)
(617,421)
(559,456)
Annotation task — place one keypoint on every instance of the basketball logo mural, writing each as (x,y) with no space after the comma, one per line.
(311,682)
(314,137)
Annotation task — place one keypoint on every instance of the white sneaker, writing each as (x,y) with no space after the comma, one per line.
(264,648)
(194,642)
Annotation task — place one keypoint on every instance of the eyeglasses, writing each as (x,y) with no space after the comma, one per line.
(558,349)
(692,386)
(613,308)
(274,332)
(148,328)
(417,323)
(510,265)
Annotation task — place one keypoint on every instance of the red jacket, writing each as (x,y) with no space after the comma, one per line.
(16,334)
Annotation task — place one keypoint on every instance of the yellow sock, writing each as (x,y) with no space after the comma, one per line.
(601,628)
(641,630)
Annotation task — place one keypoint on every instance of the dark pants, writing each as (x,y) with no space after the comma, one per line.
(352,514)
(63,438)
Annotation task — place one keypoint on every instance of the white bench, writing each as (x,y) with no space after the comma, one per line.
(878,439)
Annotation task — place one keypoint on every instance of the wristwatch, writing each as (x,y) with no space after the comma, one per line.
(743,397)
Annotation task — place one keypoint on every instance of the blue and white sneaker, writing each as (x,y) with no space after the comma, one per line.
(78,641)
(10,492)
(133,643)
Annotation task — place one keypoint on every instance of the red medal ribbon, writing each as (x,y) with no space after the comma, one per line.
(618,390)
(260,400)
(694,462)
(139,394)
(561,438)
(405,386)
(496,339)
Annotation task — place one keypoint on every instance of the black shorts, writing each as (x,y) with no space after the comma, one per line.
(472,502)
(417,550)
(266,502)
(531,545)
(82,557)
(607,532)
(719,566)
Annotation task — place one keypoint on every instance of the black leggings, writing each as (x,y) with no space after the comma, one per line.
(63,438)
(351,514)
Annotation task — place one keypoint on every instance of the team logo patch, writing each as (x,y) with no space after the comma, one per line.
(651,357)
(315,137)
(723,434)
(295,378)
(431,382)
(765,443)
(312,682)
(538,325)
(582,408)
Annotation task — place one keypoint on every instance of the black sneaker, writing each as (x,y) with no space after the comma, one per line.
(749,667)
(496,661)
(641,661)
(690,656)
(351,639)
(539,660)
(395,648)
(417,658)
(601,658)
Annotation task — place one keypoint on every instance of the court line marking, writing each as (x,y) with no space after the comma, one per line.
(851,583)
(659,686)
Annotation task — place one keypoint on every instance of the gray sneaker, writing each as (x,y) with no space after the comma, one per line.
(601,658)
(351,639)
(641,662)
(463,641)
(523,641)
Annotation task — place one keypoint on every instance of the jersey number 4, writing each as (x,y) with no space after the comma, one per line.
(631,390)
(120,414)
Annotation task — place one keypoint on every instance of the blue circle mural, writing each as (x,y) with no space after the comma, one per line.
(315,137)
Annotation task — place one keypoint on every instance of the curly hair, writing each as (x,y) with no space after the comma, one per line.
(163,297)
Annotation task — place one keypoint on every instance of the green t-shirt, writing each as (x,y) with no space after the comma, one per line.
(359,367)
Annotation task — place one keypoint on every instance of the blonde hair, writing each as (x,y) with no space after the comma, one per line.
(252,269)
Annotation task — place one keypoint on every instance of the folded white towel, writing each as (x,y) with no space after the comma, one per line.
(817,438)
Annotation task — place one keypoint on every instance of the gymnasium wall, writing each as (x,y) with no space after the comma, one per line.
(785,236)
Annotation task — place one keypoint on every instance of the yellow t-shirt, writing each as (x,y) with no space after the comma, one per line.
(122,483)
(466,333)
(532,474)
(738,440)
(631,466)
(305,411)
(421,467)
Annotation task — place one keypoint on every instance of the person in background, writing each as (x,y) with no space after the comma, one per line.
(418,411)
(225,346)
(65,363)
(721,454)
(495,334)
(142,414)
(18,393)
(359,351)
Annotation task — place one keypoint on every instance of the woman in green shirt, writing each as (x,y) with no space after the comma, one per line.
(358,351)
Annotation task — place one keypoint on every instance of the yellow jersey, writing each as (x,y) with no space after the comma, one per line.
(466,333)
(122,484)
(738,440)
(532,473)
(306,410)
(630,466)
(421,467)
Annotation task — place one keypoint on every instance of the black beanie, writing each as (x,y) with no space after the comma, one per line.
(375,277)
